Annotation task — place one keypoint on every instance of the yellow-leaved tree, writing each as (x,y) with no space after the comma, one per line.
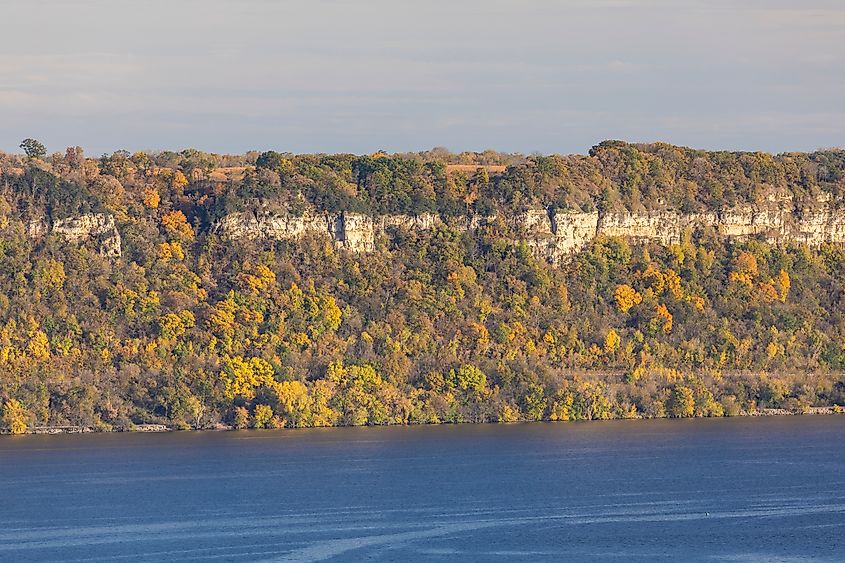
(294,404)
(744,269)
(242,377)
(262,416)
(176,225)
(626,297)
(151,198)
(782,283)
(15,416)
(681,402)
(665,318)
(611,342)
(357,397)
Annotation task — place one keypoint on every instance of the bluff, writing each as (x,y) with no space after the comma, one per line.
(276,290)
(552,233)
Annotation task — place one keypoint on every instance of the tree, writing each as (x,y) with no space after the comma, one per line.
(75,157)
(468,378)
(681,403)
(663,318)
(744,269)
(15,417)
(626,297)
(196,409)
(262,416)
(33,148)
(176,225)
(294,403)
(611,342)
(151,198)
(533,402)
(241,418)
(242,377)
(178,180)
(272,160)
(782,284)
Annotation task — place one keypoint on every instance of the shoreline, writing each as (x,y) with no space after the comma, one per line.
(163,428)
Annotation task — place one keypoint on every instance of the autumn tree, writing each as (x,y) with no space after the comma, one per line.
(626,297)
(681,402)
(176,225)
(15,417)
(262,416)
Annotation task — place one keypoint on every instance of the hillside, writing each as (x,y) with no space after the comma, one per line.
(269,289)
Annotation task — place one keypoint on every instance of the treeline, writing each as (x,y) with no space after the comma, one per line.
(615,176)
(191,331)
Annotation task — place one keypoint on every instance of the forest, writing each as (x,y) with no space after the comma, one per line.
(189,330)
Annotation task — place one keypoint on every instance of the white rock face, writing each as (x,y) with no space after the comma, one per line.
(98,227)
(823,227)
(555,234)
(663,227)
(536,222)
(552,234)
(574,231)
(418,223)
(37,228)
(774,223)
(356,232)
(352,231)
(274,226)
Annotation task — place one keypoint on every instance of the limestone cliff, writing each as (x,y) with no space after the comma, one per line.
(355,232)
(268,224)
(554,233)
(99,228)
(352,231)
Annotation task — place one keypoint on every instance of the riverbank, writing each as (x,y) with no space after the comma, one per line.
(91,429)
(836,409)
(159,428)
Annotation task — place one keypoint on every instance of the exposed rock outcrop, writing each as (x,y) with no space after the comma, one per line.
(275,226)
(817,228)
(555,233)
(551,234)
(352,231)
(355,232)
(97,227)
(422,222)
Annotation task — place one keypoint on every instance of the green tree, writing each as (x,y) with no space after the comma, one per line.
(681,403)
(271,160)
(468,378)
(33,148)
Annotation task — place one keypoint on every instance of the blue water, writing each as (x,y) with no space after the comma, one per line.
(718,490)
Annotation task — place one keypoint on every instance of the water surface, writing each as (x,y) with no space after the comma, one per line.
(719,490)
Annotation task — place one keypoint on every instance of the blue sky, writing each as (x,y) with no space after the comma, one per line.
(356,76)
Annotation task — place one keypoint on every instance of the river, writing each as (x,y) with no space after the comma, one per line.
(739,489)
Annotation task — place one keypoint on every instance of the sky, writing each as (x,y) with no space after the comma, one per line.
(358,76)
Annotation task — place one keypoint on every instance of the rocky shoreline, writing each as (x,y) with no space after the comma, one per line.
(158,428)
